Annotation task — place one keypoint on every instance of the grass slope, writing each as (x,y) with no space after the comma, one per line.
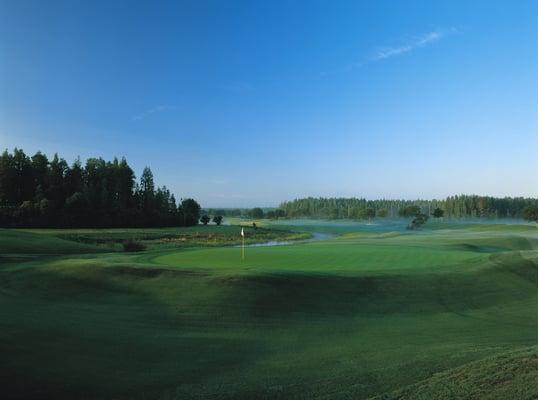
(15,242)
(511,375)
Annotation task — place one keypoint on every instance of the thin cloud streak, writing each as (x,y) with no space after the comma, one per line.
(425,40)
(389,52)
(151,111)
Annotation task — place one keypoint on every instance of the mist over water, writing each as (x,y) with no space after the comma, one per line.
(343,226)
(382,225)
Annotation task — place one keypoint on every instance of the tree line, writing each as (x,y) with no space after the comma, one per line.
(463,206)
(38,192)
(254,213)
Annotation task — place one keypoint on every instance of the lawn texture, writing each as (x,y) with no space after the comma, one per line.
(370,312)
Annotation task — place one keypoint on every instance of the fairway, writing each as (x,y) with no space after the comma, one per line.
(363,313)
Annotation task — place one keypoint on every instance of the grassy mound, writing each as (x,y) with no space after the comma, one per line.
(16,242)
(512,375)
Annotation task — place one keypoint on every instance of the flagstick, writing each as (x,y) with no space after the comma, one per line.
(243,249)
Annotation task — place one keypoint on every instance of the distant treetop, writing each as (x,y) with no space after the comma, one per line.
(462,206)
(38,192)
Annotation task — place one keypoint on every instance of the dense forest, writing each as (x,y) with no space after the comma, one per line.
(38,192)
(463,206)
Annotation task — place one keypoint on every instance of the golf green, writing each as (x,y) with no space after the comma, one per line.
(365,313)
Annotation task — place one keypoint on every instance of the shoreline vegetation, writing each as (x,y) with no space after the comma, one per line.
(112,239)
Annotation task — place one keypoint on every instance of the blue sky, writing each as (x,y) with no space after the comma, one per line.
(251,103)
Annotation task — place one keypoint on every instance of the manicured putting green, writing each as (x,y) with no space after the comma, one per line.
(333,257)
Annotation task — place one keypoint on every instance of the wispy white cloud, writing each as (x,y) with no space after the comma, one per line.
(150,111)
(408,46)
(422,41)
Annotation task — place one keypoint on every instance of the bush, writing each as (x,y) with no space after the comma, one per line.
(256,213)
(530,213)
(438,213)
(132,245)
(418,221)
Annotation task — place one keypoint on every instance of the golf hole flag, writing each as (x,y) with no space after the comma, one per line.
(242,244)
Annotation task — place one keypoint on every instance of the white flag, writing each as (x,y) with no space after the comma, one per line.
(242,233)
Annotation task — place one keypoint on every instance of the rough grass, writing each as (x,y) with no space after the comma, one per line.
(195,236)
(14,242)
(510,375)
(432,314)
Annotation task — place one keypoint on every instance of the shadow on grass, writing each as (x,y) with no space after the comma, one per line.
(125,331)
(94,333)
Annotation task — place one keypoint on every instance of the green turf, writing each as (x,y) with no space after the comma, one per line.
(195,236)
(15,242)
(510,375)
(380,312)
